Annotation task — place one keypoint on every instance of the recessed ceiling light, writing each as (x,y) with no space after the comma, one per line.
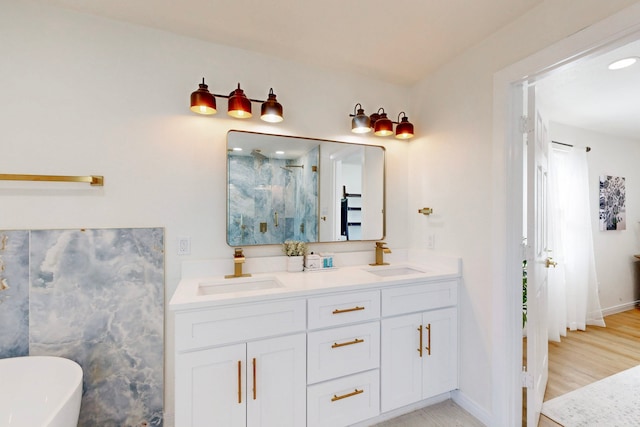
(237,149)
(623,63)
(279,152)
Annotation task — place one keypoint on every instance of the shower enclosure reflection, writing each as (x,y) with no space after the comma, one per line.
(288,188)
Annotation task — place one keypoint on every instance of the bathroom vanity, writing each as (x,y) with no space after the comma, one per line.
(328,348)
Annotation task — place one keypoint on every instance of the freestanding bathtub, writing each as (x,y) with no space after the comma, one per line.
(39,391)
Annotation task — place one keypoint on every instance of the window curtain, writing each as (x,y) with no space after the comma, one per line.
(573,284)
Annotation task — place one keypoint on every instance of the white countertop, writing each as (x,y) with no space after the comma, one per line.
(189,295)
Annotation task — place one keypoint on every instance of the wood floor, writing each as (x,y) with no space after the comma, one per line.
(584,357)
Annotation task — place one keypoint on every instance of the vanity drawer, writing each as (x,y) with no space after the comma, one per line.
(426,296)
(336,310)
(342,351)
(344,401)
(242,322)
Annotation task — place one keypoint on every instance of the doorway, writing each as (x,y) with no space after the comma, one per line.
(611,33)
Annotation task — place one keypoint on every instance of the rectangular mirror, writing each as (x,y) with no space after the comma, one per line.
(291,188)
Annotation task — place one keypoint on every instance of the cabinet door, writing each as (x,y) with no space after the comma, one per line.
(440,354)
(276,382)
(400,364)
(210,387)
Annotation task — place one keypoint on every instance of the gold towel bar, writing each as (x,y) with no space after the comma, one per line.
(95,180)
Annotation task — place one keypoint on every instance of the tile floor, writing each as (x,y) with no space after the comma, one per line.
(443,414)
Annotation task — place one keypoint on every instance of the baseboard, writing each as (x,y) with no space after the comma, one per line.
(469,405)
(620,308)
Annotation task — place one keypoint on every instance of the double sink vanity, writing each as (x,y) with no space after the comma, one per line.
(334,347)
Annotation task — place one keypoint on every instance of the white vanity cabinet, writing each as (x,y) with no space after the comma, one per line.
(259,382)
(322,356)
(419,343)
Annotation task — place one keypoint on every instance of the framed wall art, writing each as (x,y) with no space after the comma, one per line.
(612,213)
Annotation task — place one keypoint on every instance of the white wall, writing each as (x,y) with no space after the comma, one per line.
(85,95)
(614,250)
(455,171)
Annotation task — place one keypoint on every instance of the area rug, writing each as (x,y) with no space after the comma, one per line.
(612,402)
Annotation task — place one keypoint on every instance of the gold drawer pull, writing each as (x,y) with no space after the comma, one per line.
(347,310)
(356,341)
(344,396)
(428,348)
(420,346)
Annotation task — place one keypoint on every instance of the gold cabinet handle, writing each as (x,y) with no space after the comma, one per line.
(347,310)
(239,381)
(356,341)
(428,348)
(420,346)
(344,396)
(255,384)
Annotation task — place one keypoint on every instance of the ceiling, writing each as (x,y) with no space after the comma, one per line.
(590,96)
(398,41)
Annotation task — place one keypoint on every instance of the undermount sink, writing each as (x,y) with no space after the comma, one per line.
(393,271)
(241,284)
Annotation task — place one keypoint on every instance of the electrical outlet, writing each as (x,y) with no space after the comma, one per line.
(431,241)
(184,246)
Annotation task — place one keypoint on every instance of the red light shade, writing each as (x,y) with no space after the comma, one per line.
(404,129)
(375,117)
(360,122)
(271,110)
(239,104)
(383,126)
(202,101)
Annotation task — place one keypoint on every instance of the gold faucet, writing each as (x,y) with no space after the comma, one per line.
(381,249)
(238,260)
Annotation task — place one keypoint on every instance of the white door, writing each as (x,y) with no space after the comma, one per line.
(276,382)
(537,259)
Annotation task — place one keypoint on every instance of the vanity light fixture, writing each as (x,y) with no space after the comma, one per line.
(383,126)
(404,129)
(271,109)
(202,101)
(380,123)
(361,123)
(239,106)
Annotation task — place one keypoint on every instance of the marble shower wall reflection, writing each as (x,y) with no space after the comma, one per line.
(95,296)
(260,187)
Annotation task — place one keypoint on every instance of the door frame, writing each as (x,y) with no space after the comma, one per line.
(610,33)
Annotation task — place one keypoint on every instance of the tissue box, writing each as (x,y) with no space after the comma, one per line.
(313,262)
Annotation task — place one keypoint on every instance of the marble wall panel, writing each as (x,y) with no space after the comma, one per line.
(97,297)
(14,293)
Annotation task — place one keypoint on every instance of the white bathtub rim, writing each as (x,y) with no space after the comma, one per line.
(33,370)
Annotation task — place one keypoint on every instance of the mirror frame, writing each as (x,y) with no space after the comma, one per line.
(320,141)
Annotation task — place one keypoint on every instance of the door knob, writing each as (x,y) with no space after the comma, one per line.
(550,263)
